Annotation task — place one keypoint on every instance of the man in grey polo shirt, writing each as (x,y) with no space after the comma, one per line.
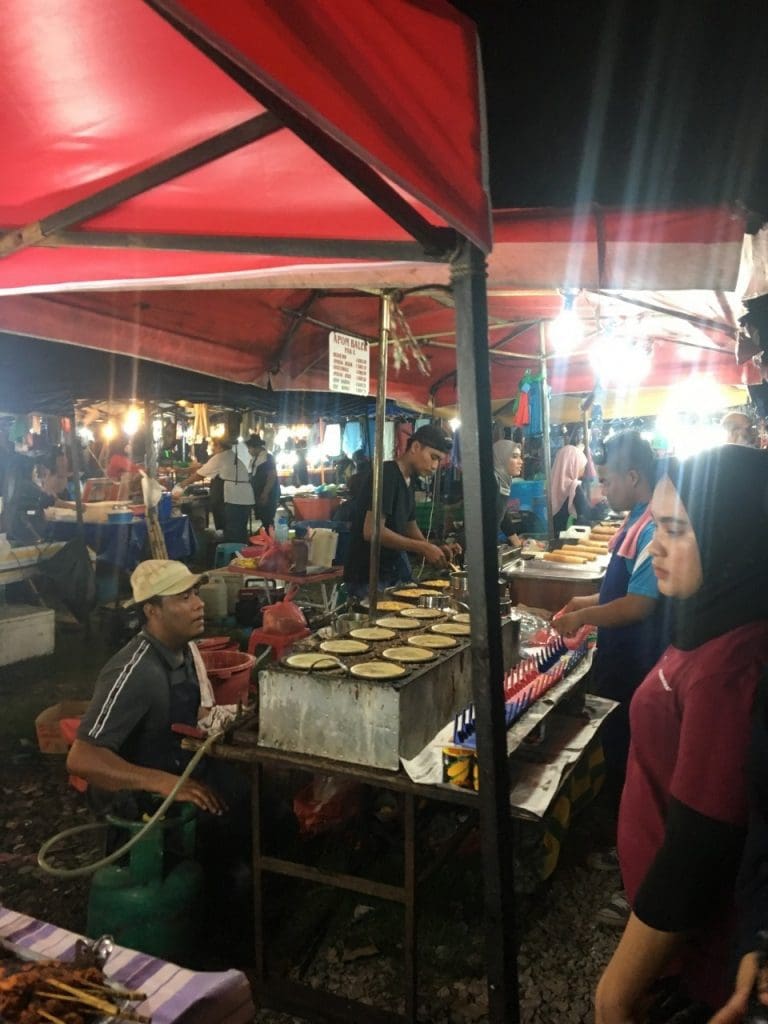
(125,742)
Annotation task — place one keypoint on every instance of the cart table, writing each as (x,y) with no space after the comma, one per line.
(172,992)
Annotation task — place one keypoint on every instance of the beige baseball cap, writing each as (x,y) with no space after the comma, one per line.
(162,577)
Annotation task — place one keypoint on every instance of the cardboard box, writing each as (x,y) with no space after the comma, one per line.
(47,725)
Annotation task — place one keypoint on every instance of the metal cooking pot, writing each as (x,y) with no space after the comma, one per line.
(350,620)
(440,601)
(460,586)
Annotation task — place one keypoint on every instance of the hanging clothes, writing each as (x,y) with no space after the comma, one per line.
(353,438)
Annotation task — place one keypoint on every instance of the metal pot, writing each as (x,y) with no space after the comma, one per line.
(440,601)
(459,583)
(350,620)
(460,586)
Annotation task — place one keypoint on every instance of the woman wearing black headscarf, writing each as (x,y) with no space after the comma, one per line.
(684,807)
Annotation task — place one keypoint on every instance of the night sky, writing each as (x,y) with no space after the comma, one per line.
(625,103)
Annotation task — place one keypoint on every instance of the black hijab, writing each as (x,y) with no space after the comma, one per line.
(725,493)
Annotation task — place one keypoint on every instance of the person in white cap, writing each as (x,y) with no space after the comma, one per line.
(124,743)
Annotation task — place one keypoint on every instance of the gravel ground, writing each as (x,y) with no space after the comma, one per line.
(563,949)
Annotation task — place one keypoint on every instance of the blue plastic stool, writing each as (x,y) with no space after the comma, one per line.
(225,553)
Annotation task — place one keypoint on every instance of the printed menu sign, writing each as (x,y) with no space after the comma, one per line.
(348,364)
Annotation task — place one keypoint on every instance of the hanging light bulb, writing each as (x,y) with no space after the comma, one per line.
(132,421)
(109,431)
(566,330)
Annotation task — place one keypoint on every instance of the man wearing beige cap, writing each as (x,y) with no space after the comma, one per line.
(125,742)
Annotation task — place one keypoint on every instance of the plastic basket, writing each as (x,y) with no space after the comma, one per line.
(315,508)
(217,643)
(229,673)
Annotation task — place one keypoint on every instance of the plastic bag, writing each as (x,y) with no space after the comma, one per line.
(283,616)
(326,803)
(272,556)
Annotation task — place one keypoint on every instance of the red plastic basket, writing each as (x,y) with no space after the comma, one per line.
(217,643)
(315,508)
(229,673)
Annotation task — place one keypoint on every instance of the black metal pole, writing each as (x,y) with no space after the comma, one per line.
(385,320)
(468,279)
(74,455)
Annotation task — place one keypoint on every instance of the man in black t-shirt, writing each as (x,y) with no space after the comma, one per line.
(124,742)
(400,534)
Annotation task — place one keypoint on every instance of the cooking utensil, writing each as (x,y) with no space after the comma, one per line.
(441,601)
(350,620)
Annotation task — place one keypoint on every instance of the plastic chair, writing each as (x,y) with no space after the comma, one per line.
(225,553)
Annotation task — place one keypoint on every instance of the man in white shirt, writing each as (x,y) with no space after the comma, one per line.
(228,475)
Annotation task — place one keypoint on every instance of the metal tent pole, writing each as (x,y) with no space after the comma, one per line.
(74,455)
(468,280)
(385,322)
(546,448)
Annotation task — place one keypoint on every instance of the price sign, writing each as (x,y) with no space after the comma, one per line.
(348,364)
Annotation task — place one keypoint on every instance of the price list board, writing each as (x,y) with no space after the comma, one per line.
(348,364)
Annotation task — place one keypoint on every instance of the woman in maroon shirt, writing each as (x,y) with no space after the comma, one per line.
(684,806)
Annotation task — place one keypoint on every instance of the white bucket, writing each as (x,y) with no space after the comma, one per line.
(322,548)
(233,583)
(213,594)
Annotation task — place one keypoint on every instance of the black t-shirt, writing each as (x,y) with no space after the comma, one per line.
(398,508)
(139,694)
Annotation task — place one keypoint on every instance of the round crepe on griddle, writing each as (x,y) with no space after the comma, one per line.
(423,613)
(431,640)
(408,654)
(378,670)
(413,593)
(372,633)
(397,622)
(461,617)
(310,661)
(452,628)
(344,646)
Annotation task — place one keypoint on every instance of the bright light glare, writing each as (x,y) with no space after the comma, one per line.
(619,361)
(281,437)
(565,331)
(286,460)
(685,437)
(132,421)
(454,424)
(218,430)
(698,393)
(315,455)
(85,434)
(109,431)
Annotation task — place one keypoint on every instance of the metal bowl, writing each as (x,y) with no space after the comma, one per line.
(441,601)
(350,620)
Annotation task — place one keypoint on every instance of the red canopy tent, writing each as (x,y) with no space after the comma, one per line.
(158,141)
(669,276)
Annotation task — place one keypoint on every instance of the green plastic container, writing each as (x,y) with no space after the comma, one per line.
(152,901)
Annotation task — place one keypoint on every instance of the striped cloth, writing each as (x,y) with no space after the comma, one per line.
(173,993)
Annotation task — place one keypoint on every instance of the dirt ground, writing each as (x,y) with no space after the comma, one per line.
(347,944)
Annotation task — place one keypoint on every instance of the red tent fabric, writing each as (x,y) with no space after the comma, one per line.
(281,334)
(96,92)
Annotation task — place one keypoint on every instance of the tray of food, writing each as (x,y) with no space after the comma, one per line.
(37,990)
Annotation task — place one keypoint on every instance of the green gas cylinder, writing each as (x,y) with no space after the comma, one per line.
(151,900)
